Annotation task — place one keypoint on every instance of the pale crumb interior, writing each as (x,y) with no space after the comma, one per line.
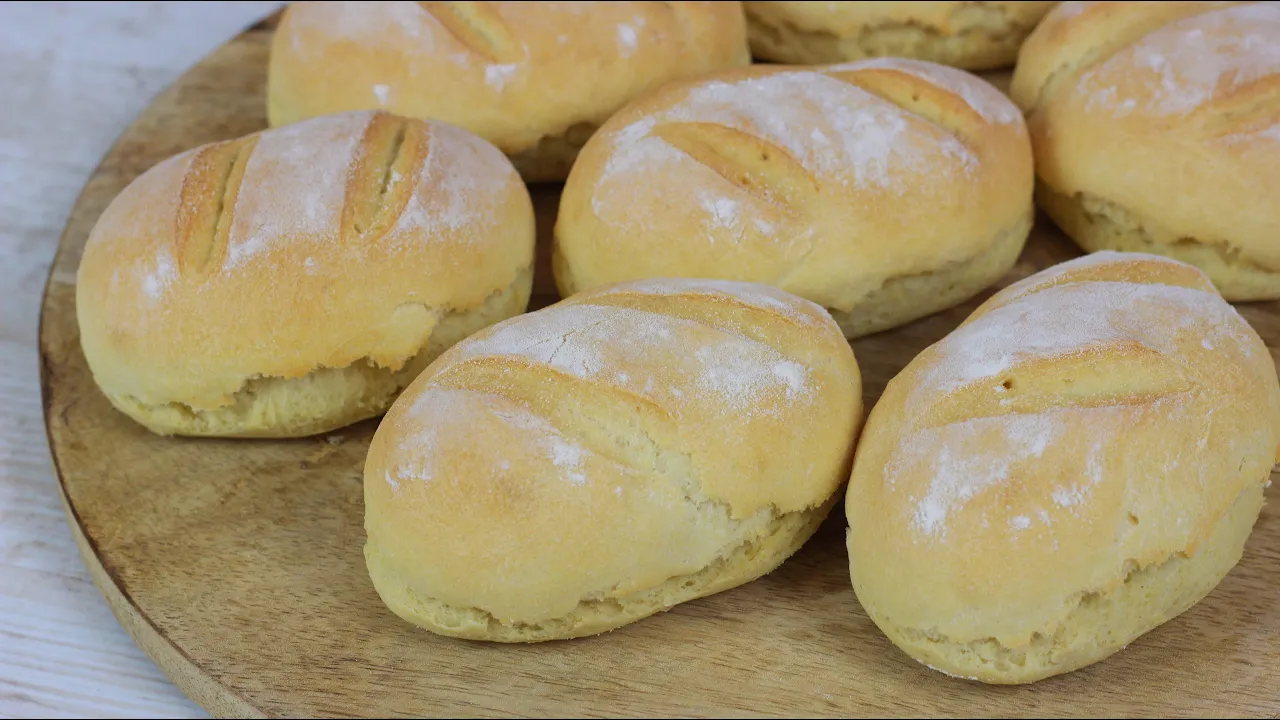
(326,398)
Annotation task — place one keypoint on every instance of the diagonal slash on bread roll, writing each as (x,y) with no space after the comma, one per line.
(1080,461)
(587,465)
(534,78)
(295,280)
(1156,128)
(883,190)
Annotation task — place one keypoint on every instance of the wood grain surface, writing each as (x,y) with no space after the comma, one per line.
(237,564)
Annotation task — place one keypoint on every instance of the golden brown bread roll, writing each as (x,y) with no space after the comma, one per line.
(1079,462)
(633,447)
(295,280)
(1156,128)
(882,190)
(534,78)
(969,35)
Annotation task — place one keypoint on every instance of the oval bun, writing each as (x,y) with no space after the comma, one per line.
(295,280)
(1079,462)
(534,78)
(883,190)
(1135,106)
(633,447)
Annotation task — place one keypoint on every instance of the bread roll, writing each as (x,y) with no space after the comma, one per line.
(1079,462)
(970,35)
(293,281)
(534,78)
(1156,128)
(883,190)
(587,465)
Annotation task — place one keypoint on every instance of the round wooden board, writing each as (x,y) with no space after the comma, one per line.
(237,565)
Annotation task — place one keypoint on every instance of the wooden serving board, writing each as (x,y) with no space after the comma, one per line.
(237,565)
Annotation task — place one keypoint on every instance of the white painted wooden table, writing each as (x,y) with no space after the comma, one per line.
(72,76)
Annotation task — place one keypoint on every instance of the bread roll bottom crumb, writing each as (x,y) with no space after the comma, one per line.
(1097,224)
(986,38)
(326,398)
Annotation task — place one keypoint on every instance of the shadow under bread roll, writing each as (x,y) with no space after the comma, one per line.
(1079,462)
(295,280)
(633,447)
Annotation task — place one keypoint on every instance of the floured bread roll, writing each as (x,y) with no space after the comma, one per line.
(1082,460)
(1156,128)
(969,35)
(584,466)
(883,190)
(295,280)
(534,78)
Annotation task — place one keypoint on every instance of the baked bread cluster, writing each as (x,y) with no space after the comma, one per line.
(1081,460)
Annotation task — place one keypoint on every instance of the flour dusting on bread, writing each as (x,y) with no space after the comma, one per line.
(1074,318)
(595,342)
(441,420)
(161,276)
(458,189)
(294,184)
(365,22)
(964,459)
(1191,62)
(833,129)
(970,457)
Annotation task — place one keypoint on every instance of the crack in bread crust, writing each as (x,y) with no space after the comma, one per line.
(923,99)
(747,161)
(478,27)
(391,154)
(206,204)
